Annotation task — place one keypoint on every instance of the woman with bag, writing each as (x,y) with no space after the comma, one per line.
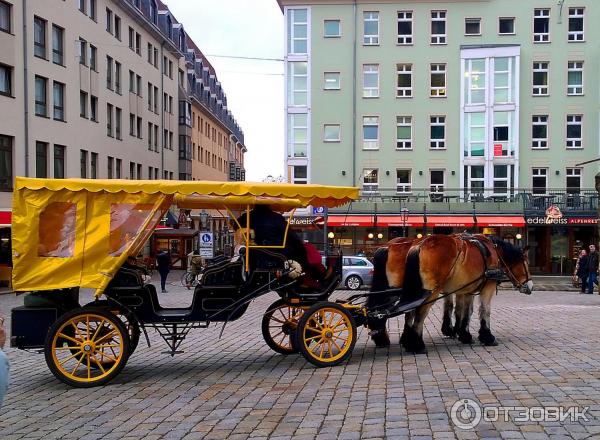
(581,270)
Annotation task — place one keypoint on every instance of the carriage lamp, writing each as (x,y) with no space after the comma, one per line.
(518,236)
(380,235)
(331,235)
(370,235)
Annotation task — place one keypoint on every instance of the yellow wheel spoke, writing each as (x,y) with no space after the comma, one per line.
(98,329)
(311,338)
(69,358)
(329,348)
(62,335)
(322,349)
(67,348)
(314,329)
(107,346)
(337,346)
(78,364)
(99,365)
(340,330)
(108,357)
(89,367)
(111,333)
(87,325)
(77,331)
(337,324)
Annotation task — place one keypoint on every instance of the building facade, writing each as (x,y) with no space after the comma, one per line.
(450,107)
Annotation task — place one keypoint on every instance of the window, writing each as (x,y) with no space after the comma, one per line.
(503,134)
(404,86)
(370,80)
(576,24)
(405,35)
(575,78)
(5,17)
(93,58)
(41,104)
(504,80)
(475,81)
(153,12)
(109,120)
(438,80)
(131,38)
(138,85)
(539,180)
(94,166)
(370,180)
(475,137)
(109,21)
(59,161)
(331,80)
(437,132)
(58,45)
(574,131)
(474,180)
(83,160)
(371,132)
(39,37)
(138,126)
(6,163)
(150,136)
(118,122)
(5,80)
(539,131)
(94,108)
(403,132)
(156,100)
(109,73)
(150,53)
(438,27)
(331,133)
(473,26)
(149,96)
(82,51)
(297,31)
(41,159)
(118,168)
(541,25)
(170,69)
(118,27)
(297,84)
(110,164)
(371,28)
(83,104)
(300,175)
(92,14)
(436,181)
(138,45)
(132,170)
(58,94)
(132,124)
(131,81)
(403,181)
(117,77)
(506,26)
(540,78)
(332,28)
(501,179)
(573,180)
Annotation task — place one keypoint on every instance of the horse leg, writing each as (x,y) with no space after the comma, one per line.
(447,329)
(485,334)
(416,344)
(408,330)
(463,311)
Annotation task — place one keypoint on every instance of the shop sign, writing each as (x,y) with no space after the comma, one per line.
(554,216)
(582,221)
(302,221)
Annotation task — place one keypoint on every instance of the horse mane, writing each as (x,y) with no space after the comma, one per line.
(510,253)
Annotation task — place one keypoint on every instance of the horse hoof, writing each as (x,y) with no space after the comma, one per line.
(487,338)
(448,332)
(381,339)
(465,338)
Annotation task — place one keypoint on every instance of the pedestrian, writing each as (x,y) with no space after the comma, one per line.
(163,262)
(592,269)
(581,270)
(3,363)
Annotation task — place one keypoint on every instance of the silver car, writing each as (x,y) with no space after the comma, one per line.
(356,272)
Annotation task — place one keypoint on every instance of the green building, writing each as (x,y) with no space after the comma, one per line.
(453,111)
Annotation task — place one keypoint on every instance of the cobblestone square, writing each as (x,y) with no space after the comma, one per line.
(236,387)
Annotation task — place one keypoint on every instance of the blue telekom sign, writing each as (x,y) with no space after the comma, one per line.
(319,210)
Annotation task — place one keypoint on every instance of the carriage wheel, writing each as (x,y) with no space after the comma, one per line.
(278,326)
(95,353)
(326,334)
(133,328)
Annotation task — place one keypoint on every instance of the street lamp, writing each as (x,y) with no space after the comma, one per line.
(204,220)
(380,236)
(331,235)
(404,216)
(370,235)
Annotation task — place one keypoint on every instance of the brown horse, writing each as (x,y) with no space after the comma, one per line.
(459,265)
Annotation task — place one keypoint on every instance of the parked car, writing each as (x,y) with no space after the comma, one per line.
(356,272)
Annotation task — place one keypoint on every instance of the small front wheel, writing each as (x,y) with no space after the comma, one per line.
(326,334)
(87,347)
(279,324)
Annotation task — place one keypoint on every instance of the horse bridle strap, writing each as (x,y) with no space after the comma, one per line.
(511,276)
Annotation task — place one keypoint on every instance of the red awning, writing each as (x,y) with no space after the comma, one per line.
(5,218)
(450,221)
(350,220)
(496,221)
(396,220)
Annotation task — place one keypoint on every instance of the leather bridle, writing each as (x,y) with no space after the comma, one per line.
(510,274)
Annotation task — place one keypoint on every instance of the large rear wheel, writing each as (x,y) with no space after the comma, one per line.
(279,325)
(87,347)
(326,334)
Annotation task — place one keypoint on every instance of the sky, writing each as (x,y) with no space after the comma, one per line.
(254,88)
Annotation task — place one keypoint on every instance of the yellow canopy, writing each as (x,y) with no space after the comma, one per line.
(78,232)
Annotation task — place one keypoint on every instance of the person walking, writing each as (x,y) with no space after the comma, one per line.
(592,269)
(163,262)
(581,269)
(3,363)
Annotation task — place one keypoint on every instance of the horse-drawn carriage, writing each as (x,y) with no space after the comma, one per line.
(74,233)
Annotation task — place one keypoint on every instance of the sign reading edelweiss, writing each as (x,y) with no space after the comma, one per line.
(554,216)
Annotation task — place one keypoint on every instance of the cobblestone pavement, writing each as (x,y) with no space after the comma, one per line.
(236,387)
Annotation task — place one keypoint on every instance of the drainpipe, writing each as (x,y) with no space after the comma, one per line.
(25,89)
(162,110)
(354,97)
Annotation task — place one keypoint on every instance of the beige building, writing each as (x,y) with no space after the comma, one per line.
(103,89)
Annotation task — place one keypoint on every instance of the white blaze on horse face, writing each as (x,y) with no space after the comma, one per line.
(529,286)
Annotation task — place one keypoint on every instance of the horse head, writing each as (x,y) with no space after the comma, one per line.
(516,264)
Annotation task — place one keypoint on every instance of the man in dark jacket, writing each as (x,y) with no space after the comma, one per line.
(593,269)
(163,262)
(582,269)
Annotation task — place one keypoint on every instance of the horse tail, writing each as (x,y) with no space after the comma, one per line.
(380,281)
(413,284)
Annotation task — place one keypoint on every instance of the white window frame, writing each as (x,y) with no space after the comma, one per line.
(404,69)
(339,128)
(469,79)
(299,180)
(404,187)
(371,39)
(541,37)
(573,172)
(405,39)
(437,69)
(293,125)
(437,188)
(539,173)
(539,143)
(468,138)
(506,179)
(370,121)
(576,36)
(438,39)
(339,22)
(510,82)
(470,180)
(437,121)
(339,81)
(370,187)
(473,20)
(291,37)
(575,89)
(292,76)
(514,21)
(370,92)
(575,143)
(404,144)
(539,89)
